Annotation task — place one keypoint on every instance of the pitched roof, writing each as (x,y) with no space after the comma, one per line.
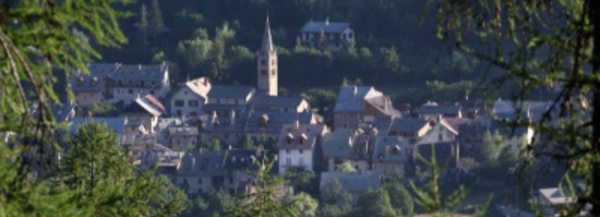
(116,124)
(95,81)
(384,105)
(62,112)
(139,72)
(326,26)
(267,40)
(408,125)
(429,109)
(557,196)
(337,144)
(389,149)
(147,104)
(275,101)
(242,159)
(230,91)
(274,120)
(506,109)
(300,136)
(202,164)
(354,182)
(200,86)
(351,98)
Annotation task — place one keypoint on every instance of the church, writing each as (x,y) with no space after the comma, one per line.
(230,112)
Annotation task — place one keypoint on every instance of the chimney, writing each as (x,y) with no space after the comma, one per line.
(193,162)
(327,21)
(232,117)
(140,67)
(355,91)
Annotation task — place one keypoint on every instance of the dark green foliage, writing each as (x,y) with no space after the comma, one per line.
(102,109)
(155,20)
(374,203)
(303,181)
(248,143)
(96,165)
(400,198)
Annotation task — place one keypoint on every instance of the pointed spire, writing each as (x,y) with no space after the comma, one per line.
(267,43)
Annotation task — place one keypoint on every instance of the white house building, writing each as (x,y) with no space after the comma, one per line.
(297,143)
(326,35)
(189,98)
(129,81)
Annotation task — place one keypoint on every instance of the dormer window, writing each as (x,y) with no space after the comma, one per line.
(289,138)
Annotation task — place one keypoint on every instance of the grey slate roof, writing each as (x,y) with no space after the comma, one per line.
(337,144)
(202,164)
(230,91)
(355,182)
(275,101)
(327,27)
(389,149)
(291,136)
(276,120)
(117,125)
(384,104)
(139,72)
(241,159)
(452,110)
(407,125)
(147,104)
(95,81)
(351,98)
(506,109)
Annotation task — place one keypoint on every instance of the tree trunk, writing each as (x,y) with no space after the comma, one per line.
(594,14)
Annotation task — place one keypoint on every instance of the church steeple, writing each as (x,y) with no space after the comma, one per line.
(267,41)
(267,63)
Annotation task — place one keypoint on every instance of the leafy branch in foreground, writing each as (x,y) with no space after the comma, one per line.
(431,198)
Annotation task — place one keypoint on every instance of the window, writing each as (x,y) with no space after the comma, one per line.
(263,62)
(152,92)
(193,103)
(263,72)
(288,151)
(301,151)
(185,92)
(288,161)
(179,103)
(230,180)
(301,161)
(273,72)
(440,137)
(200,181)
(130,91)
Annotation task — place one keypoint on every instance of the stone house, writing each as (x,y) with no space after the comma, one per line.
(297,144)
(360,104)
(142,115)
(326,35)
(390,155)
(189,98)
(348,146)
(129,81)
(200,172)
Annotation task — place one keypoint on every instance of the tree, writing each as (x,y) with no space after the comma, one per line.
(374,203)
(215,145)
(492,147)
(156,23)
(335,194)
(95,163)
(536,46)
(345,167)
(400,198)
(248,143)
(302,180)
(38,38)
(102,109)
(304,205)
(143,26)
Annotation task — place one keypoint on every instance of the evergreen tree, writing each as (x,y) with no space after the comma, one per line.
(155,22)
(143,26)
(374,203)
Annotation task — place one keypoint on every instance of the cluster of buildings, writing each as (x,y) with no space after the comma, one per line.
(172,125)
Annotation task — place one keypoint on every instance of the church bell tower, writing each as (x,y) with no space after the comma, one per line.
(267,64)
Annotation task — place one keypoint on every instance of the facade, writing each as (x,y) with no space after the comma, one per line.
(119,82)
(189,98)
(433,111)
(348,146)
(182,138)
(266,59)
(390,155)
(360,104)
(200,172)
(129,81)
(297,144)
(143,114)
(326,35)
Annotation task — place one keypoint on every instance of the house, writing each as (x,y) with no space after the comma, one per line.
(354,183)
(297,144)
(63,112)
(441,131)
(226,126)
(432,110)
(129,81)
(115,124)
(119,82)
(230,94)
(279,103)
(360,104)
(240,166)
(182,138)
(470,135)
(143,114)
(92,87)
(200,172)
(411,129)
(390,155)
(269,124)
(522,110)
(326,35)
(189,98)
(555,201)
(348,146)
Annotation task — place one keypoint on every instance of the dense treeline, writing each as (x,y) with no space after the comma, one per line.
(218,38)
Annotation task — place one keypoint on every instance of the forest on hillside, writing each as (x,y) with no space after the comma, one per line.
(395,45)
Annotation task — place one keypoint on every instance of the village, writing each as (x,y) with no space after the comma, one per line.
(205,136)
